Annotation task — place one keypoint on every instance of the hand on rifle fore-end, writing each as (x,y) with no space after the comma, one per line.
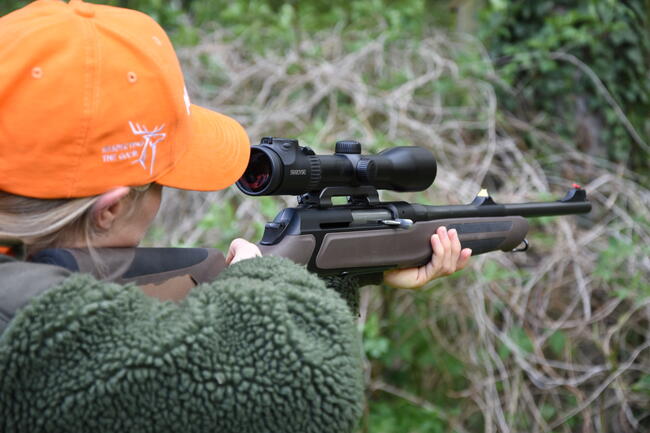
(241,249)
(447,258)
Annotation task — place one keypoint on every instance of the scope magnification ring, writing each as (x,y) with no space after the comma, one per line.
(314,172)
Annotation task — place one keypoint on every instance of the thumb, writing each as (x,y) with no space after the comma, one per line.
(241,249)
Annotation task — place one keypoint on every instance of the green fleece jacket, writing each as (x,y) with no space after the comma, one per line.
(264,348)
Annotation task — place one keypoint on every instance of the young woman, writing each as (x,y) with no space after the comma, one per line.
(94,121)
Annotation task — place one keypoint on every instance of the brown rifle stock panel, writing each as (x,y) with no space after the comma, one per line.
(298,248)
(411,247)
(172,285)
(174,289)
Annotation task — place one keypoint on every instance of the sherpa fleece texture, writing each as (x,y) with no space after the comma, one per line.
(265,348)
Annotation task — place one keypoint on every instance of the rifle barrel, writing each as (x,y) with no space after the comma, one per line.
(428,213)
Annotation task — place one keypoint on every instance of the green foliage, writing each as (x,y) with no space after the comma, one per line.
(520,339)
(166,13)
(374,344)
(545,50)
(221,217)
(262,21)
(7,6)
(557,342)
(629,284)
(272,23)
(643,385)
(414,366)
(493,271)
(395,415)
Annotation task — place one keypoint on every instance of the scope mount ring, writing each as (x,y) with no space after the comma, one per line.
(362,195)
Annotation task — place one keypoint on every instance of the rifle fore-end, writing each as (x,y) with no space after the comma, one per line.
(360,251)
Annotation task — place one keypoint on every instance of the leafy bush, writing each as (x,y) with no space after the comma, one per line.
(577,68)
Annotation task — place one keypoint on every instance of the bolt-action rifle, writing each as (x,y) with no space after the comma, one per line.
(363,237)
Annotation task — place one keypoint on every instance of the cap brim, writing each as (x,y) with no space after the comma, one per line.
(215,158)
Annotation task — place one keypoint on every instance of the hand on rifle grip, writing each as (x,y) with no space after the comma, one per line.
(241,249)
(447,258)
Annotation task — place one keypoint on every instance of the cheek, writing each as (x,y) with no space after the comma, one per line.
(152,204)
(145,213)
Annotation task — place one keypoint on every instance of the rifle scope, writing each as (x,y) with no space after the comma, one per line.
(279,166)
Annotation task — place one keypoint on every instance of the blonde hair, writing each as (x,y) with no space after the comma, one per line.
(50,223)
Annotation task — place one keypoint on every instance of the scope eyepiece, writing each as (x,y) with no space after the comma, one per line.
(280,166)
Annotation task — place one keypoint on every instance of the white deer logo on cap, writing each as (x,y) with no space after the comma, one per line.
(151,139)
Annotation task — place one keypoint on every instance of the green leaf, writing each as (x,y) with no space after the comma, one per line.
(557,342)
(521,339)
(374,344)
(642,385)
(548,411)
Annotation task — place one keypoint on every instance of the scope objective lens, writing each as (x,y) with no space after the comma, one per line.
(261,173)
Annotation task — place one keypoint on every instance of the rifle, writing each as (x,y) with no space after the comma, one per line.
(366,235)
(362,238)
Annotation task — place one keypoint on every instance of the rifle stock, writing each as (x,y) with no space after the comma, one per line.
(367,251)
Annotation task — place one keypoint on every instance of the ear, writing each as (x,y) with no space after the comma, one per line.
(109,207)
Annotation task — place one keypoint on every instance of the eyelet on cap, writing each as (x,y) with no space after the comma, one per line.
(132,77)
(37,72)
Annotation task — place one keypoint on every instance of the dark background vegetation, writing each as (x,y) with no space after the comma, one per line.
(524,97)
(600,105)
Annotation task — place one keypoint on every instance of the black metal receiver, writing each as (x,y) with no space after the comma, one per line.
(366,235)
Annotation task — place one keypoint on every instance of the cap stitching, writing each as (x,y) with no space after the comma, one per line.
(89,97)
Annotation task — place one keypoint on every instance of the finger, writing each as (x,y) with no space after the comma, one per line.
(438,254)
(431,270)
(448,262)
(455,247)
(231,253)
(463,259)
(444,237)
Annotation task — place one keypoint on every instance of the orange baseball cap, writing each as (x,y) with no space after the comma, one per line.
(92,97)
